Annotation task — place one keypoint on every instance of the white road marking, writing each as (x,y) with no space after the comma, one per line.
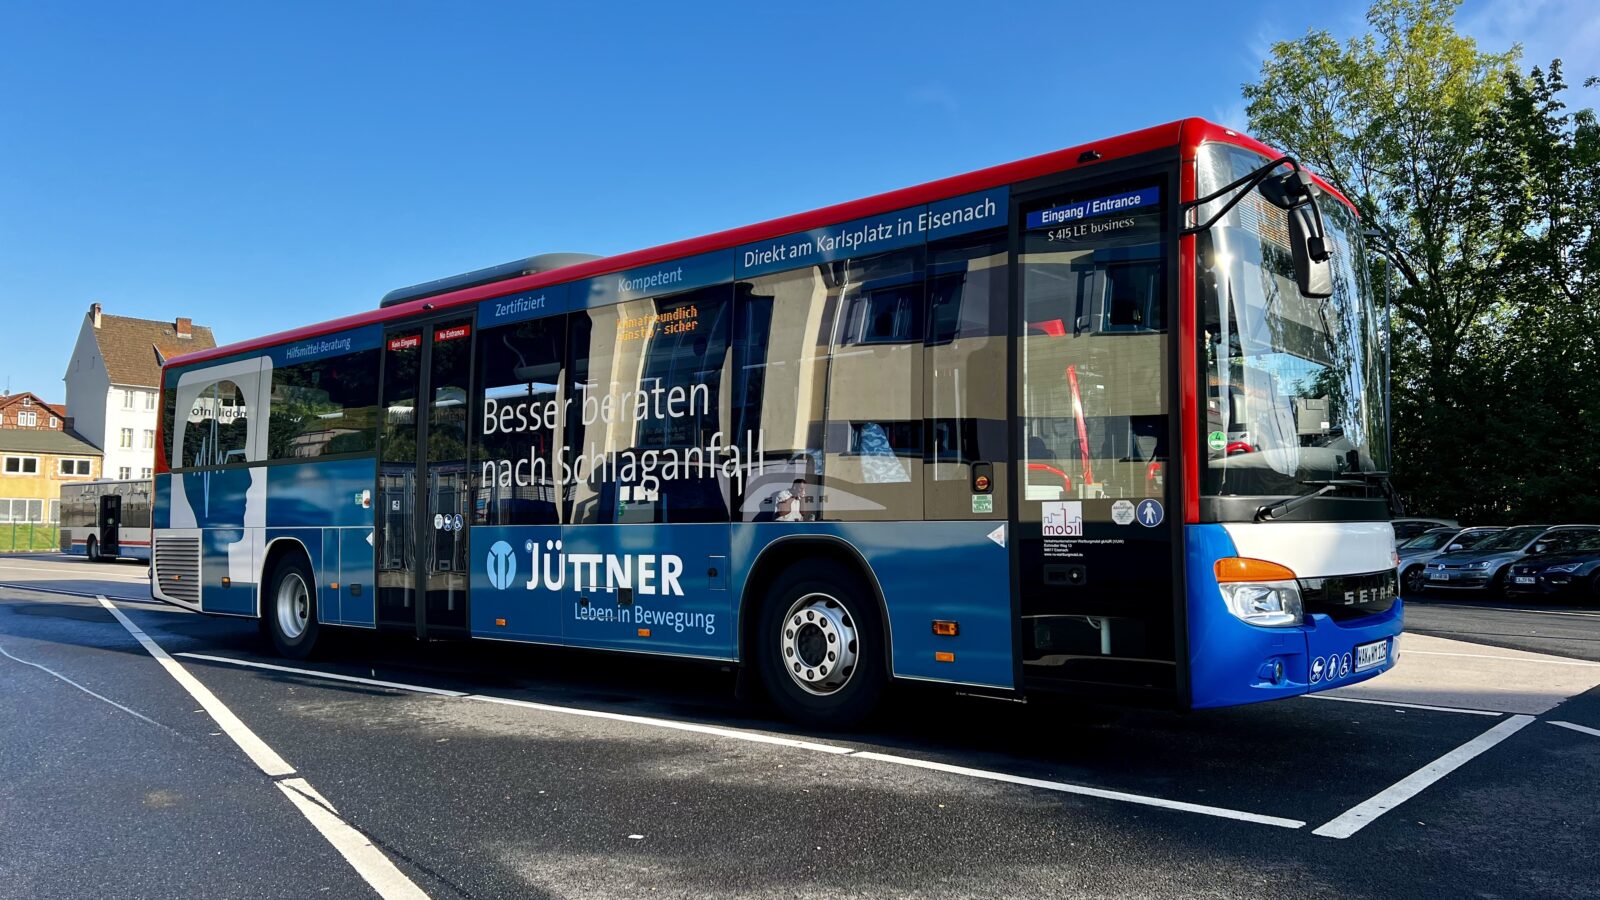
(134,713)
(794,743)
(368,861)
(395,685)
(1582,729)
(23,586)
(68,574)
(1066,788)
(265,758)
(752,736)
(379,872)
(1542,612)
(1361,815)
(1448,709)
(1544,662)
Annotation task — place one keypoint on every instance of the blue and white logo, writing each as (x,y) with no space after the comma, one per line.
(1316,670)
(1344,665)
(1150,513)
(502,565)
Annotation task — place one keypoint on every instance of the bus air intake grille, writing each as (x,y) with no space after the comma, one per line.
(177,567)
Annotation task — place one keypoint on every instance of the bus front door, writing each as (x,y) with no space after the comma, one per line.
(110,525)
(422,492)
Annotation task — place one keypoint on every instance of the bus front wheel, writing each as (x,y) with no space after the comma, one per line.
(290,613)
(820,648)
(92,550)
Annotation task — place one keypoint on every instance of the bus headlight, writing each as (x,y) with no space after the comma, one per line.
(1260,592)
(1271,603)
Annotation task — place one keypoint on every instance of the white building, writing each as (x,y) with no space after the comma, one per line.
(114,384)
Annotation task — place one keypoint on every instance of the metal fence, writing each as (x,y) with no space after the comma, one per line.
(27,538)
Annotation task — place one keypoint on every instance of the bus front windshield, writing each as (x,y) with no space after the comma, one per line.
(1292,385)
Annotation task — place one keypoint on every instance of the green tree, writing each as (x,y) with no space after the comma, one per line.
(1479,189)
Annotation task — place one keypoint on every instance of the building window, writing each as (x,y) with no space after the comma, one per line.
(126,441)
(27,401)
(21,465)
(74,467)
(124,473)
(145,473)
(55,422)
(149,439)
(149,400)
(127,399)
(20,511)
(28,419)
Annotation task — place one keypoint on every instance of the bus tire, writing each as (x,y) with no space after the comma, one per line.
(289,608)
(92,549)
(820,647)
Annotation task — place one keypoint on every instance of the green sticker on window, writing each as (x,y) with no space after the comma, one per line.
(983,503)
(1217,440)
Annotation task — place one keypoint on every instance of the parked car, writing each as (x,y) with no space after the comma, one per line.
(1566,567)
(1417,552)
(1482,569)
(1406,529)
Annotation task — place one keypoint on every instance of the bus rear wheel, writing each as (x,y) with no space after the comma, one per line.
(820,646)
(290,609)
(92,549)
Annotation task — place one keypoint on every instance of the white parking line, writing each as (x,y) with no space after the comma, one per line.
(1522,659)
(68,575)
(1542,612)
(1581,729)
(1448,709)
(1361,815)
(414,688)
(1084,791)
(368,861)
(813,746)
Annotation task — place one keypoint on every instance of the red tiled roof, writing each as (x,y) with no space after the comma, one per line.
(135,349)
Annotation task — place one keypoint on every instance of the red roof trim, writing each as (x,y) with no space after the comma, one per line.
(1188,132)
(1130,144)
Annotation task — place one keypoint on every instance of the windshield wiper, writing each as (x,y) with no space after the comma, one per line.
(1327,486)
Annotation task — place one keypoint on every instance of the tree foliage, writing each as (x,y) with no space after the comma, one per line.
(1481,193)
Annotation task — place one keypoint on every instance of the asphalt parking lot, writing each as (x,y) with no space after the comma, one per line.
(399,769)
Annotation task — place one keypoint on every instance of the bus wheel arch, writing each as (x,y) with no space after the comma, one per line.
(825,586)
(286,601)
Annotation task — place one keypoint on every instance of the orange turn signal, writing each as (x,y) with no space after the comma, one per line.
(226,581)
(1234,569)
(943,656)
(946,628)
(500,622)
(644,632)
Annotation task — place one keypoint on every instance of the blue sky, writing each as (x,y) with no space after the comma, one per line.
(263,167)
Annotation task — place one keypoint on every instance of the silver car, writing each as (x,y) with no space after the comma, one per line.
(1482,569)
(1417,552)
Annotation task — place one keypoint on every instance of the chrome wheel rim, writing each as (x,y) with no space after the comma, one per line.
(294,606)
(818,645)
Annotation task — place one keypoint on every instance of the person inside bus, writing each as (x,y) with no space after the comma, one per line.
(789,505)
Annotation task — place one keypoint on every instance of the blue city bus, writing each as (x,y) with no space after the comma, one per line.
(1104,422)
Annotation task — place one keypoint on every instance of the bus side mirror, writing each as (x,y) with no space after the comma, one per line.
(1309,244)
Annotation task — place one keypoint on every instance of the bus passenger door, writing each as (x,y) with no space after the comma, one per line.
(421,544)
(1096,528)
(110,525)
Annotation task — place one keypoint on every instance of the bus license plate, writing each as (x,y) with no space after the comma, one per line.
(1439,576)
(1524,579)
(1369,655)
